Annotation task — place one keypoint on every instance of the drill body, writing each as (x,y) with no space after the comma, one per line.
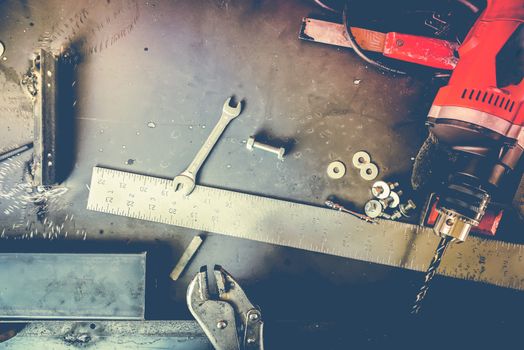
(480,121)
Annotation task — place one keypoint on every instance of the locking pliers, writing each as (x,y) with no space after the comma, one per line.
(231,322)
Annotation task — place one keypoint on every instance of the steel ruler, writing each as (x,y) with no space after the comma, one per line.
(302,226)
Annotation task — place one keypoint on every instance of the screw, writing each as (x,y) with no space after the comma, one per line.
(251,143)
(221,324)
(396,215)
(385,216)
(406,208)
(400,42)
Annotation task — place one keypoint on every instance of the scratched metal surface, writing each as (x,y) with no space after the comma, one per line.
(72,286)
(150,85)
(122,335)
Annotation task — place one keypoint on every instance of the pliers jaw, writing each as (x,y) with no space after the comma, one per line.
(230,315)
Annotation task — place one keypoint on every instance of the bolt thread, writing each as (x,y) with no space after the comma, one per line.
(265,147)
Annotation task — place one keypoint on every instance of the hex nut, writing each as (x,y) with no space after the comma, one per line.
(281,153)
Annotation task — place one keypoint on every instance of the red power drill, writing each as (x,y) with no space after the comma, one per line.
(481,122)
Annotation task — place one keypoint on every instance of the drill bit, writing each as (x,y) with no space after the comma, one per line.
(339,207)
(432,270)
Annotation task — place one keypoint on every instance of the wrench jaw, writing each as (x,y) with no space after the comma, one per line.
(231,111)
(198,290)
(184,183)
(216,317)
(230,290)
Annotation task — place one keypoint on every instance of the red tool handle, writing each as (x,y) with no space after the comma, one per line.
(429,52)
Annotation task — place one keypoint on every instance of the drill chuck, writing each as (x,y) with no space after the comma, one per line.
(462,205)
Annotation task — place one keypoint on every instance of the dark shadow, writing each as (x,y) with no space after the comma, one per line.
(66,128)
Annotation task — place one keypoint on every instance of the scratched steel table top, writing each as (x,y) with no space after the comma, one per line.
(150,85)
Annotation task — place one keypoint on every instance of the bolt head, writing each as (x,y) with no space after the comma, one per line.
(254,316)
(281,152)
(250,142)
(221,324)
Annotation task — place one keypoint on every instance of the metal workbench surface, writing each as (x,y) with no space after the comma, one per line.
(150,85)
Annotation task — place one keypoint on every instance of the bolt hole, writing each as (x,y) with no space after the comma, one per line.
(361,160)
(336,170)
(369,171)
(449,222)
(92,326)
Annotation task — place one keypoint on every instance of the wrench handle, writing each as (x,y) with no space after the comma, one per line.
(208,145)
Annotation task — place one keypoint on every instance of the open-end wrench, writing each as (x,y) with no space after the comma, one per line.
(185,182)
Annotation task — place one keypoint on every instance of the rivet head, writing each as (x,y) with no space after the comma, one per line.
(221,324)
(253,317)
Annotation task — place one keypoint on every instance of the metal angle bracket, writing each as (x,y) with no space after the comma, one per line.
(53,116)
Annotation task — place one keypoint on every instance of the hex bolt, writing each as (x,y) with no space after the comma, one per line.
(251,143)
(221,324)
(406,208)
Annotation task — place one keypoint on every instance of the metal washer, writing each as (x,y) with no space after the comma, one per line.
(336,170)
(369,172)
(380,189)
(395,200)
(356,159)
